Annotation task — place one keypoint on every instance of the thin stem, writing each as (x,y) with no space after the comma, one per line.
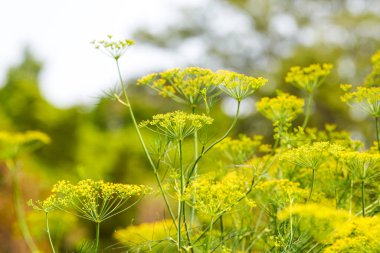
(209,236)
(192,210)
(363,199)
(97,237)
(48,232)
(204,151)
(377,132)
(221,227)
(143,143)
(180,203)
(308,110)
(20,212)
(351,194)
(312,186)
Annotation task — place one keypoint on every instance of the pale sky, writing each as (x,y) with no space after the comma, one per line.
(59,32)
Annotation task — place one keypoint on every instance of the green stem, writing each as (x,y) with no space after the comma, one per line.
(308,110)
(377,132)
(143,143)
(204,151)
(363,199)
(312,186)
(351,194)
(180,203)
(20,212)
(97,237)
(48,232)
(221,228)
(192,210)
(209,236)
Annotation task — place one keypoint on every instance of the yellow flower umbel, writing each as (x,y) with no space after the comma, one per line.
(114,49)
(275,194)
(190,86)
(92,200)
(241,149)
(373,79)
(365,98)
(310,156)
(14,144)
(358,235)
(176,125)
(95,200)
(308,78)
(316,220)
(213,197)
(152,236)
(238,86)
(281,110)
(363,167)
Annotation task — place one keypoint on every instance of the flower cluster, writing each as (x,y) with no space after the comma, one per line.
(189,85)
(92,200)
(281,109)
(177,125)
(238,86)
(308,78)
(14,144)
(145,233)
(366,98)
(114,49)
(358,235)
(373,79)
(214,197)
(362,165)
(311,156)
(278,193)
(241,149)
(316,219)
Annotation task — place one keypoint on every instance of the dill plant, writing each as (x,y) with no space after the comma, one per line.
(95,201)
(263,198)
(194,87)
(12,147)
(308,79)
(222,202)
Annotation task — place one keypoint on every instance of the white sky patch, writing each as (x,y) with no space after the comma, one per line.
(58,33)
(247,107)
(284,24)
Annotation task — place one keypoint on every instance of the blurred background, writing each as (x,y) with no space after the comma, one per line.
(53,80)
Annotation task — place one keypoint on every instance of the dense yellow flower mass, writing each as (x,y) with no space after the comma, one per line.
(14,144)
(240,149)
(146,235)
(177,125)
(365,98)
(312,155)
(373,79)
(362,165)
(308,78)
(278,192)
(238,86)
(214,197)
(189,85)
(281,109)
(91,200)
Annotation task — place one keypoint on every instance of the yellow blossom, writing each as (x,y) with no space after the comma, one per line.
(308,78)
(238,86)
(177,125)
